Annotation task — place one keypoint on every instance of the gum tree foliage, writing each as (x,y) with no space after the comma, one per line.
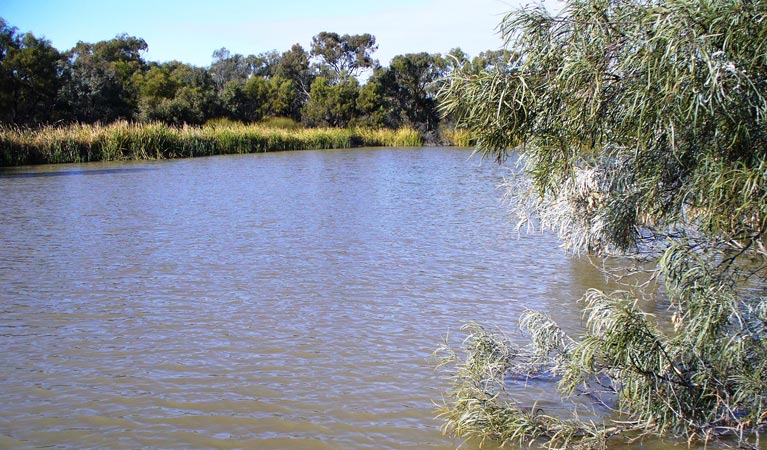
(374,109)
(259,97)
(157,86)
(491,59)
(641,129)
(410,83)
(249,88)
(177,93)
(403,94)
(29,79)
(348,54)
(331,104)
(227,67)
(293,65)
(98,79)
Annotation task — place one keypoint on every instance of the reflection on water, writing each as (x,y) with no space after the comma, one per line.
(82,170)
(283,300)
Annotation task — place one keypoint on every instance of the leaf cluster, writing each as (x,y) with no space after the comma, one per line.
(662,104)
(641,128)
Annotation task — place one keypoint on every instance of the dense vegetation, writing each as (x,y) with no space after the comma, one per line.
(642,132)
(122,140)
(110,81)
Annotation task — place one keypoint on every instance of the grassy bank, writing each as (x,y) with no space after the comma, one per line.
(130,141)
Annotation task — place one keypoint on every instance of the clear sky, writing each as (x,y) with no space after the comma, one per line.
(190,30)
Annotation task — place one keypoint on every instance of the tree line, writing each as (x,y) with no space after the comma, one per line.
(110,80)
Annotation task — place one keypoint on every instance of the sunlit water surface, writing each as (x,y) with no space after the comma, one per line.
(281,300)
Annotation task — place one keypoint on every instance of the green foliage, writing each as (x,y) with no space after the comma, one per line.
(98,79)
(410,82)
(177,94)
(283,123)
(371,106)
(331,104)
(642,129)
(482,408)
(294,66)
(227,67)
(28,78)
(344,54)
(109,81)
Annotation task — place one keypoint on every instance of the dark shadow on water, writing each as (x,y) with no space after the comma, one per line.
(73,172)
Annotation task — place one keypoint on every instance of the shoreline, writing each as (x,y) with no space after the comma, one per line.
(125,141)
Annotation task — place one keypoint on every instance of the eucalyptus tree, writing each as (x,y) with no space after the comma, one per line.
(348,54)
(331,104)
(456,59)
(99,79)
(29,78)
(641,130)
(293,65)
(374,109)
(177,93)
(410,82)
(493,60)
(258,98)
(227,67)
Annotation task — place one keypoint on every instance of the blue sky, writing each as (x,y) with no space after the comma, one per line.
(190,31)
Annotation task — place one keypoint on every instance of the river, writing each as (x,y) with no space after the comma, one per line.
(278,300)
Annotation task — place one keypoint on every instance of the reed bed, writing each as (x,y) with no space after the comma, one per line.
(458,137)
(403,137)
(133,141)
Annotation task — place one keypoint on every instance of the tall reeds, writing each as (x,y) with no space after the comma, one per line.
(403,137)
(458,137)
(130,141)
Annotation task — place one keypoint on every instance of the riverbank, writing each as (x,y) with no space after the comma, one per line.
(132,141)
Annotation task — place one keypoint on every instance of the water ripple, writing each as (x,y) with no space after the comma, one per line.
(286,300)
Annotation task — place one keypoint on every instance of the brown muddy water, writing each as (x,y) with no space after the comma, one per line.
(280,300)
